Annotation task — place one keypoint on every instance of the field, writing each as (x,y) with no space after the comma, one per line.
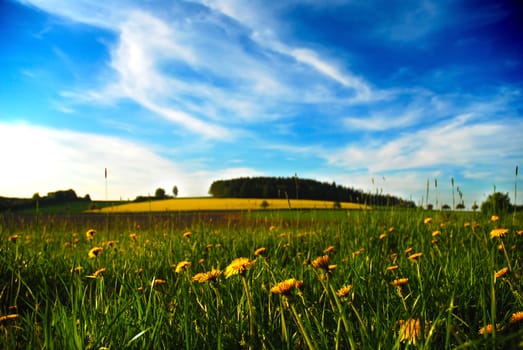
(320,279)
(208,203)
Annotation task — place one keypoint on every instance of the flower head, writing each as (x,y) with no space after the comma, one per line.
(329,249)
(415,256)
(427,220)
(94,252)
(344,291)
(260,251)
(13,238)
(285,287)
(499,232)
(238,267)
(157,281)
(410,331)
(133,236)
(494,218)
(322,262)
(90,234)
(516,317)
(501,272)
(488,329)
(97,273)
(210,276)
(400,281)
(8,317)
(187,234)
(182,265)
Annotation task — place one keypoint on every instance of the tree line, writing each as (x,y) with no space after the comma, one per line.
(297,188)
(57,197)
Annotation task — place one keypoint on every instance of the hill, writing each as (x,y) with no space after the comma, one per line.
(296,188)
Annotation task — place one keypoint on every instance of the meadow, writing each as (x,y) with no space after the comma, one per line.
(320,279)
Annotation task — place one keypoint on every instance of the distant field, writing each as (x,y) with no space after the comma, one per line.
(195,204)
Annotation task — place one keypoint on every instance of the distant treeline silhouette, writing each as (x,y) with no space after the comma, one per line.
(58,197)
(296,188)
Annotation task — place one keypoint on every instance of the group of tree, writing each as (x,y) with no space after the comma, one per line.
(52,198)
(158,194)
(297,188)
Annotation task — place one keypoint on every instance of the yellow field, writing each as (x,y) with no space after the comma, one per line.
(195,204)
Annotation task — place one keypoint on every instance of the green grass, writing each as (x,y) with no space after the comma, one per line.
(451,290)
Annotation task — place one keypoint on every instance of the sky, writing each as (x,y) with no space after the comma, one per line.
(381,96)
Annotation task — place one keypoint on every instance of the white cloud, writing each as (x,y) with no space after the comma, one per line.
(44,159)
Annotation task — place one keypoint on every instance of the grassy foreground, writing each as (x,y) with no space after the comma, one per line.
(369,280)
(210,203)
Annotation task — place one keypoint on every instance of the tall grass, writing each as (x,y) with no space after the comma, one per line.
(456,295)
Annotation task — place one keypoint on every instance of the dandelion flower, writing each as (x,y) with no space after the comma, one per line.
(391,229)
(285,287)
(97,273)
(393,267)
(210,276)
(272,228)
(90,234)
(187,234)
(488,329)
(436,233)
(358,252)
(344,291)
(321,262)
(415,256)
(427,220)
(494,218)
(8,317)
(410,331)
(94,252)
(466,225)
(260,251)
(133,236)
(238,267)
(157,281)
(329,249)
(499,232)
(77,269)
(383,235)
(182,265)
(519,232)
(13,238)
(400,281)
(516,317)
(501,272)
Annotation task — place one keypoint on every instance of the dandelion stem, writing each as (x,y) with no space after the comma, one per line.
(251,319)
(310,344)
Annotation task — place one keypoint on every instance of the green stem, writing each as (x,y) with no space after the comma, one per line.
(251,319)
(308,340)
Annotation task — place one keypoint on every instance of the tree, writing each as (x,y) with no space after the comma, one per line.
(175,191)
(460,206)
(430,206)
(474,206)
(445,207)
(496,203)
(160,193)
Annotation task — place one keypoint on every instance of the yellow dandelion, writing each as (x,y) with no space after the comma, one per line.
(90,234)
(393,267)
(97,273)
(110,243)
(501,272)
(519,232)
(494,218)
(8,317)
(13,238)
(442,225)
(210,276)
(358,252)
(410,331)
(94,252)
(400,281)
(285,287)
(138,271)
(434,241)
(427,220)
(272,228)
(329,249)
(488,329)
(182,265)
(436,233)
(260,251)
(321,262)
(408,250)
(391,229)
(516,317)
(133,236)
(383,235)
(77,269)
(208,245)
(415,256)
(238,267)
(187,234)
(157,281)
(344,291)
(499,232)
(466,225)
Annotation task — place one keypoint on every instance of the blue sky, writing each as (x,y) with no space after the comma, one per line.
(375,95)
